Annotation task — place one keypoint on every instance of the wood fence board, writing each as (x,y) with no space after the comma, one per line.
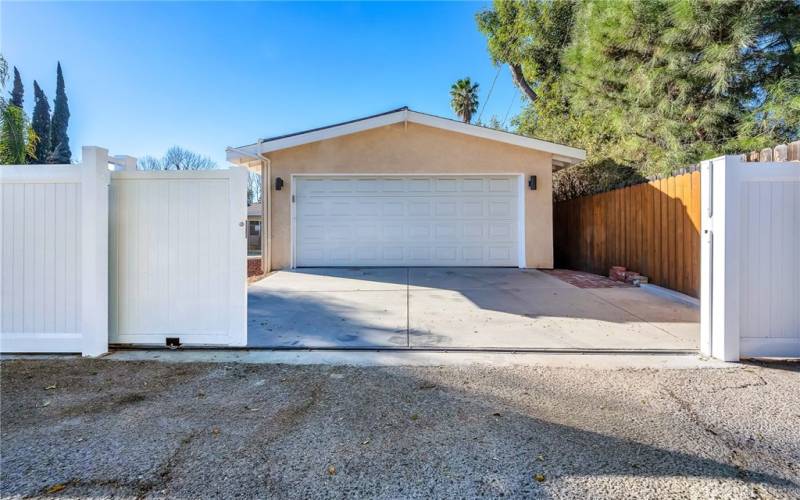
(695,215)
(655,275)
(679,219)
(651,228)
(686,201)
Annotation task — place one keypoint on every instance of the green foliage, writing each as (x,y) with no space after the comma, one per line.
(17,91)
(17,139)
(590,178)
(652,84)
(464,99)
(494,123)
(59,140)
(3,74)
(41,124)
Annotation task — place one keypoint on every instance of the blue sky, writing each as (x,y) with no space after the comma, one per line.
(141,77)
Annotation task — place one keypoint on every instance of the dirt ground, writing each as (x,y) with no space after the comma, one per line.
(99,428)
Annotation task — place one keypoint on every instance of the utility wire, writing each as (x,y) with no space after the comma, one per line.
(499,67)
(513,98)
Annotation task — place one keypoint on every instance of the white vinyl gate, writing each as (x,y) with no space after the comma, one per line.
(750,259)
(178,257)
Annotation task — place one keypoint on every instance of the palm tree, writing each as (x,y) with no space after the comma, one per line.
(464,98)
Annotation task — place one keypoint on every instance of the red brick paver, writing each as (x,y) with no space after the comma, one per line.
(254,267)
(585,280)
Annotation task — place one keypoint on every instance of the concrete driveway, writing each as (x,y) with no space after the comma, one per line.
(478,308)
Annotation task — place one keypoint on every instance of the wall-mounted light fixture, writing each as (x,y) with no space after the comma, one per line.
(278,184)
(532,183)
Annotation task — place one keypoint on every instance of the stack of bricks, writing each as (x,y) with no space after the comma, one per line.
(254,267)
(619,273)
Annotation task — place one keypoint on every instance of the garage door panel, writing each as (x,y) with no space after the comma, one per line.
(472,208)
(501,208)
(419,231)
(339,207)
(446,208)
(419,185)
(365,207)
(419,208)
(368,185)
(472,185)
(413,220)
(368,232)
(447,185)
(499,231)
(500,185)
(393,254)
(394,185)
(472,231)
(447,254)
(393,233)
(393,208)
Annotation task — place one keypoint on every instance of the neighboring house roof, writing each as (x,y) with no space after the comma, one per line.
(562,155)
(254,210)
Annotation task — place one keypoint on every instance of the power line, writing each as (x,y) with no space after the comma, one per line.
(513,98)
(499,67)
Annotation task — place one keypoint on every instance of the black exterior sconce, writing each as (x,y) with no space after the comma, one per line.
(532,183)
(278,184)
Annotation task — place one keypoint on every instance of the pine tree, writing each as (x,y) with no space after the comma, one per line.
(59,140)
(652,84)
(17,90)
(41,124)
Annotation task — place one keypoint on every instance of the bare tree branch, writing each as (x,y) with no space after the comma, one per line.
(519,80)
(177,158)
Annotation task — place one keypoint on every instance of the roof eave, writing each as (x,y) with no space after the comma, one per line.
(245,155)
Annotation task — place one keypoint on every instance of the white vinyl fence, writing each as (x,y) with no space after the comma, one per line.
(170,260)
(750,259)
(53,257)
(178,257)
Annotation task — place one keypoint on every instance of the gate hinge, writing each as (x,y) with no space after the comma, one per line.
(292,198)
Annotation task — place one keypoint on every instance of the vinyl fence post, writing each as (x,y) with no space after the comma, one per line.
(95,179)
(720,276)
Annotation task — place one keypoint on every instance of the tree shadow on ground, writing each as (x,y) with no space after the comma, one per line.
(309,432)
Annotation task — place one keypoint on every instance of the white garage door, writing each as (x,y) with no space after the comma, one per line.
(407,221)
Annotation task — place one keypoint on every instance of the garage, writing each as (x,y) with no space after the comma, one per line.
(406,189)
(432,220)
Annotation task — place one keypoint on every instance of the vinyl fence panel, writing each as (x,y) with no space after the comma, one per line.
(53,256)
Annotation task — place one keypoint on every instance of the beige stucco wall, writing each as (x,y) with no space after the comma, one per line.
(412,148)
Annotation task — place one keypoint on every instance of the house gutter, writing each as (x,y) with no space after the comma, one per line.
(266,204)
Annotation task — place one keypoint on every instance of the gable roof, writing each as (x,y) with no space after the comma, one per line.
(562,155)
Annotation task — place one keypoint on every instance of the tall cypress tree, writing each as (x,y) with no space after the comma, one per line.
(17,90)
(41,124)
(59,140)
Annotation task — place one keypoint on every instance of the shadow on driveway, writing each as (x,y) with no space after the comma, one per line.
(478,308)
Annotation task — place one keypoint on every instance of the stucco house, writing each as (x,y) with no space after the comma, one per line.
(404,188)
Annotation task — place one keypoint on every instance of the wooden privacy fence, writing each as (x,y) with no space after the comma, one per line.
(651,228)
